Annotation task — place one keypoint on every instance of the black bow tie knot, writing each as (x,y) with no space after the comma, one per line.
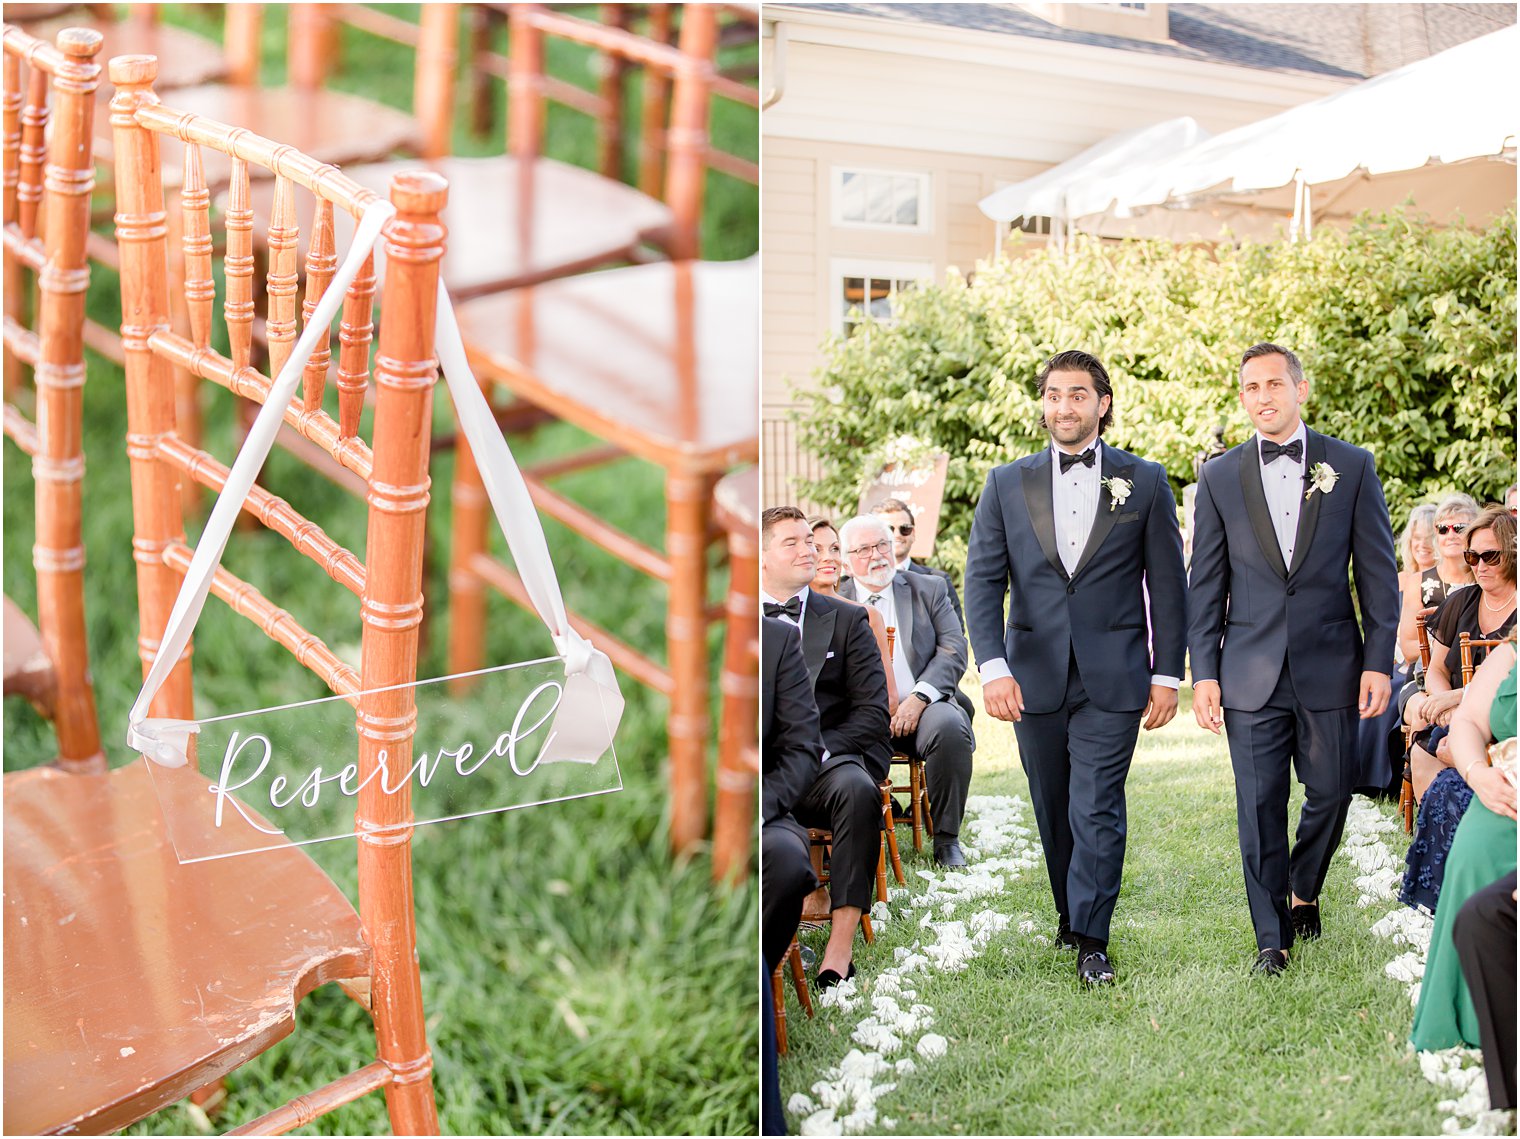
(1293,450)
(1085,458)
(792,608)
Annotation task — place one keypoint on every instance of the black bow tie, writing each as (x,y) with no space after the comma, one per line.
(1293,450)
(792,608)
(1085,458)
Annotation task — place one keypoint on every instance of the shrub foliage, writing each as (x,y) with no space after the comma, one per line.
(1406,331)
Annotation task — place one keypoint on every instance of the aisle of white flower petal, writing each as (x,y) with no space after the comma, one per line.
(1455,1069)
(892,1026)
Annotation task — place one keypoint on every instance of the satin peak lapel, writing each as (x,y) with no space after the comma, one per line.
(1308,514)
(1256,506)
(1108,513)
(1039,499)
(817,632)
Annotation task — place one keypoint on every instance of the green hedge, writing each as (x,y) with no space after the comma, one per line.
(1406,331)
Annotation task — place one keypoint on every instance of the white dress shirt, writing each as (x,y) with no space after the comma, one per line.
(1283,481)
(1074,499)
(767,599)
(886,604)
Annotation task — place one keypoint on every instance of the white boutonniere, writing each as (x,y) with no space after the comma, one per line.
(1118,491)
(1322,478)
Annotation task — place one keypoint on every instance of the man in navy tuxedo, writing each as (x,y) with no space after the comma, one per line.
(1283,523)
(1077,536)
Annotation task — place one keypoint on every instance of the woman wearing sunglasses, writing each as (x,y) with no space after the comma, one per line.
(1484,613)
(1434,583)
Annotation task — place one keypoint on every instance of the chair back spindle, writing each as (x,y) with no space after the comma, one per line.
(49,171)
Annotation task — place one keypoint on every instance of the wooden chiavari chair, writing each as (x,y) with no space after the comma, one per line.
(792,961)
(47,218)
(1465,646)
(815,907)
(200,965)
(738,512)
(1407,805)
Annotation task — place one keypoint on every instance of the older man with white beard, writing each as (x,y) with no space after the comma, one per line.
(933,717)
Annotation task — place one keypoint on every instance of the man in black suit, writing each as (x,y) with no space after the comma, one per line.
(1083,540)
(933,717)
(898,516)
(1279,521)
(790,750)
(850,688)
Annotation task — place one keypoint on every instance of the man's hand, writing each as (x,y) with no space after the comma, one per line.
(905,719)
(1003,699)
(1207,709)
(1375,689)
(1161,709)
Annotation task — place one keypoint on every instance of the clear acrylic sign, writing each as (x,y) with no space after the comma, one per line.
(495,740)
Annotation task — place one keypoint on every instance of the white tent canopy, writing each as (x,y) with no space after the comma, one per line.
(1085,184)
(1442,131)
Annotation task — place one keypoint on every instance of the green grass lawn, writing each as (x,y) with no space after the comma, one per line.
(576,980)
(1188,1041)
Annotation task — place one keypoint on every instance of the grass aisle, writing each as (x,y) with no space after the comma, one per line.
(1188,1041)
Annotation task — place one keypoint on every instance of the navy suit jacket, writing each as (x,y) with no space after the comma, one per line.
(1250,612)
(849,683)
(791,747)
(1097,612)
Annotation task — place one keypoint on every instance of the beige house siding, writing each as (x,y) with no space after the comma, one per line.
(972,112)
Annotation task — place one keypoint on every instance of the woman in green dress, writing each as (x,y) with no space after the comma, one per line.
(1482,851)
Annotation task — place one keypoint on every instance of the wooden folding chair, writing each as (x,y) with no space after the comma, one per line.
(47,218)
(172,975)
(793,960)
(738,511)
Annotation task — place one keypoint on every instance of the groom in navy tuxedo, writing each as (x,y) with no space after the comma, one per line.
(1077,536)
(1283,524)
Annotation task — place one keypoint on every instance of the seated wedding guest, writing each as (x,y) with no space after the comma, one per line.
(850,689)
(1485,613)
(1417,553)
(898,516)
(791,747)
(1442,575)
(1482,852)
(1484,936)
(933,717)
(1442,788)
(826,582)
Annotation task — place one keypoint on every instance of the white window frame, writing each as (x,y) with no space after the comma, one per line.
(843,267)
(925,181)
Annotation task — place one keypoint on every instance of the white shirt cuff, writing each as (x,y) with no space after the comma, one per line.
(994,669)
(1167,681)
(928,690)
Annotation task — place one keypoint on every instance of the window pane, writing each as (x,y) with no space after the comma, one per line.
(852,203)
(905,199)
(879,199)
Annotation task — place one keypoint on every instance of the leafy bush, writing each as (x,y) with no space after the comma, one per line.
(1406,332)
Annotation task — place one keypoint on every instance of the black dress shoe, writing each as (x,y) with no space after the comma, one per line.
(1094,968)
(1065,939)
(828,978)
(1270,963)
(1305,920)
(949,855)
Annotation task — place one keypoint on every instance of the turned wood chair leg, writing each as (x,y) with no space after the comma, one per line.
(467,592)
(778,1006)
(881,871)
(915,792)
(688,514)
(799,978)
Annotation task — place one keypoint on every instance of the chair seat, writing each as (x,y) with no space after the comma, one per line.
(662,359)
(28,670)
(184,58)
(737,498)
(330,126)
(512,222)
(131,980)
